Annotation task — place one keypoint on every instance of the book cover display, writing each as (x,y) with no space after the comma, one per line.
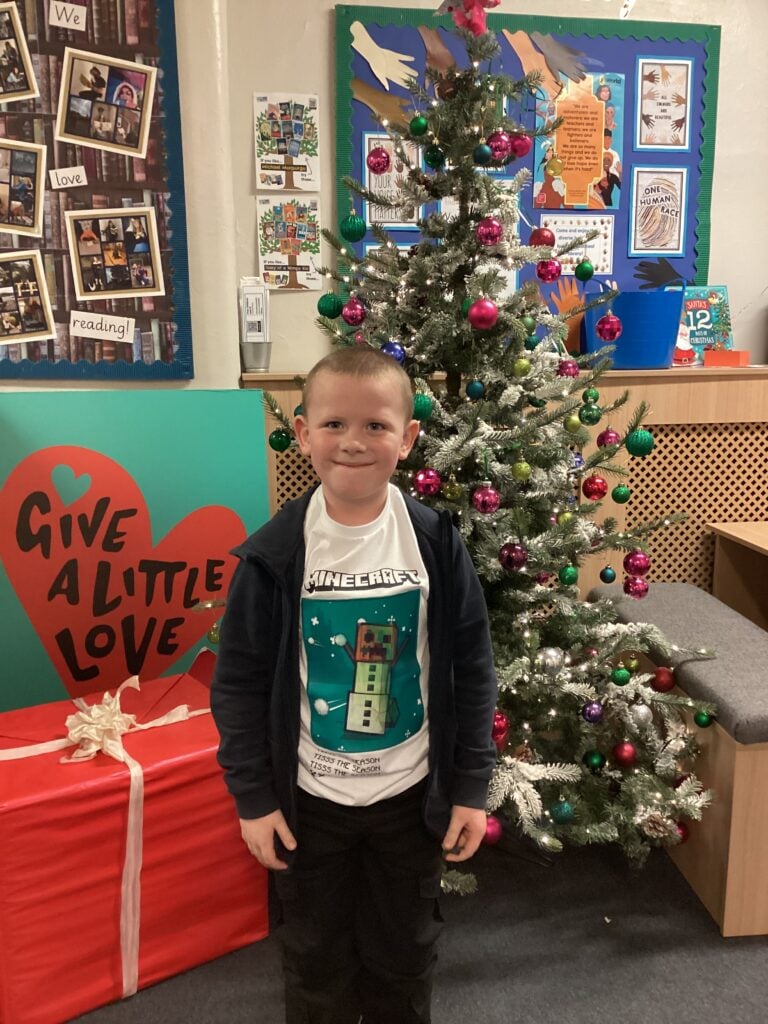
(705,324)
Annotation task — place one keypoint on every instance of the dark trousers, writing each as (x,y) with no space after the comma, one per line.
(360,913)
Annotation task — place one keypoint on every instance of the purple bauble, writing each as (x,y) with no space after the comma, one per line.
(486,499)
(489,231)
(567,368)
(608,436)
(520,144)
(483,314)
(499,144)
(427,482)
(353,312)
(592,712)
(493,830)
(636,563)
(635,586)
(608,327)
(513,556)
(548,270)
(394,349)
(378,160)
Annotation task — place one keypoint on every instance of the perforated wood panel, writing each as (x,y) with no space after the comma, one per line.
(293,477)
(716,472)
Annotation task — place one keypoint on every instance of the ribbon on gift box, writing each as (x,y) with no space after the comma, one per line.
(99,728)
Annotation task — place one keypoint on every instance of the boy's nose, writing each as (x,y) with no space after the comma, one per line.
(352,443)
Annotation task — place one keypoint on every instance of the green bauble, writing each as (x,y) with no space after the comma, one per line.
(531,342)
(482,154)
(590,396)
(639,442)
(572,423)
(353,228)
(590,414)
(621,494)
(452,489)
(214,633)
(330,305)
(537,403)
(422,406)
(594,760)
(521,471)
(583,271)
(568,575)
(561,812)
(703,719)
(418,125)
(621,676)
(434,157)
(529,323)
(298,410)
(521,367)
(466,303)
(279,440)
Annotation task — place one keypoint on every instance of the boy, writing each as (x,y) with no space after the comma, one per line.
(354,695)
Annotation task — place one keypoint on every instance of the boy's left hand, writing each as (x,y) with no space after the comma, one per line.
(465,832)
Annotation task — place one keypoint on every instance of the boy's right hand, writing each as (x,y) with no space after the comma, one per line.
(259,836)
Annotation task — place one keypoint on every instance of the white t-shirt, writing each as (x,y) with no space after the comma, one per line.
(364,656)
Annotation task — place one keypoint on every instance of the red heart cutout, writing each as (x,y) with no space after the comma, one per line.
(104,601)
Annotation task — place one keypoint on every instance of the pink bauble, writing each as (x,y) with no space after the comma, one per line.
(567,368)
(486,499)
(360,338)
(489,231)
(625,754)
(499,144)
(500,724)
(513,556)
(608,327)
(608,436)
(493,830)
(594,488)
(635,586)
(636,563)
(548,270)
(353,312)
(427,482)
(483,314)
(542,236)
(542,577)
(520,144)
(500,740)
(378,160)
(683,831)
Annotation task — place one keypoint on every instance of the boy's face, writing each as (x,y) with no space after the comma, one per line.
(355,431)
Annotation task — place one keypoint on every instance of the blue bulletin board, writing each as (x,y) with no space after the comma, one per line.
(643,95)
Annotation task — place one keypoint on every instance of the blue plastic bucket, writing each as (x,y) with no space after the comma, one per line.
(650,321)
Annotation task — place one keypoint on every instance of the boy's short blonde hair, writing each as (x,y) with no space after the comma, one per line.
(360,361)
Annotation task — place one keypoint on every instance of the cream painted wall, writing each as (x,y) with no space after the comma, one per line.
(230,48)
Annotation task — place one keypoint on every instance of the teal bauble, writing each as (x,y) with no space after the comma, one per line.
(434,157)
(279,440)
(482,154)
(418,125)
(537,403)
(298,410)
(608,574)
(353,228)
(531,342)
(422,406)
(562,812)
(475,389)
(568,575)
(590,414)
(330,305)
(639,442)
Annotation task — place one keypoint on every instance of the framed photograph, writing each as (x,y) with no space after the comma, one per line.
(25,308)
(105,102)
(114,253)
(663,111)
(657,210)
(17,76)
(22,186)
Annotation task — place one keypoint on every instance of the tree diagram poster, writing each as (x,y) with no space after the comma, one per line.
(289,241)
(287,139)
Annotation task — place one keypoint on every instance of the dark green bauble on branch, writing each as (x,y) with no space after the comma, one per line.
(529,323)
(531,342)
(482,154)
(418,125)
(568,575)
(703,719)
(562,812)
(620,675)
(353,228)
(422,406)
(465,306)
(280,440)
(330,305)
(621,494)
(583,271)
(639,442)
(434,157)
(590,396)
(590,415)
(537,403)
(594,760)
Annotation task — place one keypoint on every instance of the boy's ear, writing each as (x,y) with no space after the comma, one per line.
(410,434)
(302,434)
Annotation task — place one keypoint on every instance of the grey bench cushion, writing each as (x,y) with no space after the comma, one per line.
(736,680)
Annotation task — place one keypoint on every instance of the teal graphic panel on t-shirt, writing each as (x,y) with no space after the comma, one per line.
(363,676)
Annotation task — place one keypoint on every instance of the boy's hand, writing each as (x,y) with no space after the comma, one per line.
(259,836)
(465,832)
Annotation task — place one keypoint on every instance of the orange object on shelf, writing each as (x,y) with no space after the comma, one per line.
(726,357)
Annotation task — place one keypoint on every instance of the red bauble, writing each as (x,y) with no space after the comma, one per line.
(513,556)
(378,160)
(567,368)
(500,730)
(427,482)
(542,236)
(489,231)
(520,144)
(625,754)
(353,312)
(493,830)
(683,831)
(499,144)
(663,680)
(636,563)
(608,327)
(548,270)
(360,338)
(635,586)
(594,487)
(483,314)
(486,499)
(608,436)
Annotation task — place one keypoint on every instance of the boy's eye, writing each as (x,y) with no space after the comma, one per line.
(333,424)
(376,426)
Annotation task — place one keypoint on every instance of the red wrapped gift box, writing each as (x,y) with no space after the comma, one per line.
(63,840)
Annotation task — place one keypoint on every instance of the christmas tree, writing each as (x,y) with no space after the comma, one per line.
(591,748)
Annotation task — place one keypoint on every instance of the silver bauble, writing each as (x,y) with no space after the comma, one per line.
(550,660)
(641,715)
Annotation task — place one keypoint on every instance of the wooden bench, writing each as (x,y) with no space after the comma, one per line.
(725,860)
